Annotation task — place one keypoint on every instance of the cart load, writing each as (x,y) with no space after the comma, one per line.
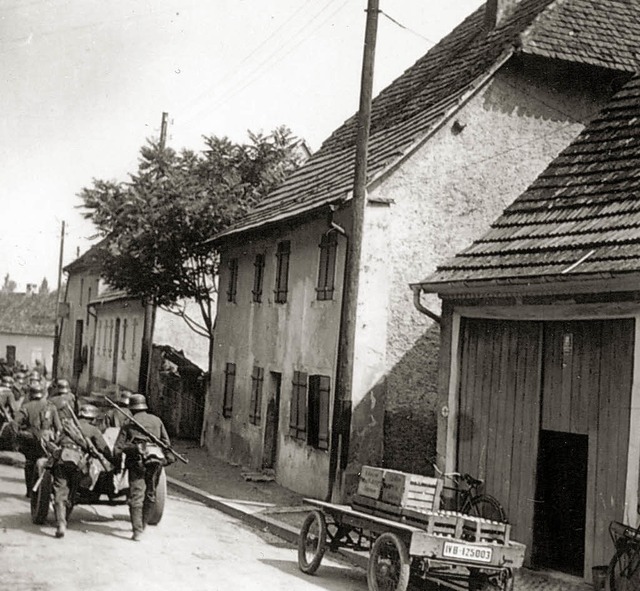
(396,517)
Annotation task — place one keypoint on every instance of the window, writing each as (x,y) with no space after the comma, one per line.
(298,415)
(104,338)
(124,338)
(232,288)
(318,416)
(229,385)
(98,335)
(282,271)
(88,302)
(110,336)
(257,378)
(258,277)
(81,289)
(133,338)
(327,267)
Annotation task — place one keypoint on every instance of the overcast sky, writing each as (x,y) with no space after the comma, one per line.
(85,82)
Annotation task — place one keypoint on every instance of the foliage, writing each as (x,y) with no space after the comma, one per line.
(44,287)
(158,222)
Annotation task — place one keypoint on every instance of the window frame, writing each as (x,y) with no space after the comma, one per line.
(318,413)
(258,277)
(298,407)
(283,255)
(229,388)
(232,284)
(327,266)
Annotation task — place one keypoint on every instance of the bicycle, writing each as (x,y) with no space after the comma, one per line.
(467,498)
(624,568)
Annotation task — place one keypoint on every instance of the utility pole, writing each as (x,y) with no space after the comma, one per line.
(341,424)
(58,328)
(150,307)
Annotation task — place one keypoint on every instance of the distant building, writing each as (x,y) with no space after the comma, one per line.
(27,327)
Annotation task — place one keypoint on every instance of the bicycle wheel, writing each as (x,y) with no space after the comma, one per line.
(487,507)
(624,569)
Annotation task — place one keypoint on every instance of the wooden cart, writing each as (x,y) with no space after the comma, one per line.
(455,550)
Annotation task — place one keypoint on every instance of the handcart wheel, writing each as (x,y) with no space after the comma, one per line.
(624,574)
(481,581)
(156,511)
(312,542)
(389,564)
(41,498)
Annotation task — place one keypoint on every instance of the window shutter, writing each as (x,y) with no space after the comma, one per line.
(324,395)
(229,385)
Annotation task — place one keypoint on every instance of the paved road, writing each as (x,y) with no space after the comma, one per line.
(194,548)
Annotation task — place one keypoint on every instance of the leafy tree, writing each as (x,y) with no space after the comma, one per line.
(158,222)
(44,287)
(9,285)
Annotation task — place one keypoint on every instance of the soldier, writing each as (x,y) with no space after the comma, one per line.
(75,442)
(113,418)
(61,396)
(19,388)
(38,423)
(144,460)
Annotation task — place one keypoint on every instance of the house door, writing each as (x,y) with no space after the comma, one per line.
(586,398)
(116,352)
(499,410)
(77,350)
(11,355)
(270,449)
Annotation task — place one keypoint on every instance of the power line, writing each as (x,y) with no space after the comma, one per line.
(399,24)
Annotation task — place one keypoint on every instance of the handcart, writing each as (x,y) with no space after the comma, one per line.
(449,548)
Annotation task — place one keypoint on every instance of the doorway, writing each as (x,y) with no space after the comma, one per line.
(272,420)
(561,502)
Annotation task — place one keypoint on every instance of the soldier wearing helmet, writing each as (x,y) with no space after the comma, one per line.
(38,424)
(144,460)
(113,418)
(8,411)
(74,451)
(62,397)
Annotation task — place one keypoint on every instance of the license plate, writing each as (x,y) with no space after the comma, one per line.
(466,552)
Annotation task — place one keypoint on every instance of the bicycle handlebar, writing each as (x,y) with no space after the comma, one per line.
(457,476)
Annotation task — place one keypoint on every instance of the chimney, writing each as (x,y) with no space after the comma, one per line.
(495,11)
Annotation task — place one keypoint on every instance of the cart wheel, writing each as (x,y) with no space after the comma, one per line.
(312,542)
(40,500)
(389,564)
(156,511)
(624,574)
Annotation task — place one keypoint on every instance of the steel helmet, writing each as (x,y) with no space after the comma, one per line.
(62,386)
(20,376)
(35,390)
(7,380)
(88,411)
(124,398)
(138,402)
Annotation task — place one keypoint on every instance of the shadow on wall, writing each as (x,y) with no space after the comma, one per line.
(410,417)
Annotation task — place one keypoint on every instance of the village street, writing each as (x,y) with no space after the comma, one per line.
(194,548)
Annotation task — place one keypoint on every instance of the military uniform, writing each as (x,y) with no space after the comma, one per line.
(144,461)
(67,468)
(37,420)
(61,396)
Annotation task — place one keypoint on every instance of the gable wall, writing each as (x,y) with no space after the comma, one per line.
(299,335)
(446,195)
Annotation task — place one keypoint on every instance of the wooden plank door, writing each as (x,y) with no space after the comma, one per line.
(499,413)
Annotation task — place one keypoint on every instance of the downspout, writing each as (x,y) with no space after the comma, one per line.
(417,292)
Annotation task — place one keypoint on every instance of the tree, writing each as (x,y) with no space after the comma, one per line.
(9,285)
(157,224)
(44,287)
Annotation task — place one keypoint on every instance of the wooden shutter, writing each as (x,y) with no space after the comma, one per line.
(324,395)
(298,415)
(229,385)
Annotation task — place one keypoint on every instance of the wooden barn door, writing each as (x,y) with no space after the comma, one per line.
(499,413)
(588,370)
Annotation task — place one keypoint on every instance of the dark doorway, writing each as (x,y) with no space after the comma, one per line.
(77,350)
(561,500)
(11,355)
(116,349)
(272,419)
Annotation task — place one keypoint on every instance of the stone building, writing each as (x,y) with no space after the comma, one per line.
(453,141)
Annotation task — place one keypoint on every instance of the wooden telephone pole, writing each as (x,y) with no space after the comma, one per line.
(58,328)
(150,307)
(341,423)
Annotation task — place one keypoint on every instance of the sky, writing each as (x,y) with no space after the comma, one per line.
(85,83)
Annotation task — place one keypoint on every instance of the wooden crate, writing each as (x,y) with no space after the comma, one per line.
(411,491)
(377,508)
(477,529)
(443,523)
(370,482)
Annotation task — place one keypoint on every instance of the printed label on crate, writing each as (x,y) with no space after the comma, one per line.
(467,552)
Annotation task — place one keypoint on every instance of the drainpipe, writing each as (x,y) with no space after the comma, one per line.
(417,292)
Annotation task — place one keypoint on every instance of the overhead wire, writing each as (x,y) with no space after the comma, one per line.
(414,32)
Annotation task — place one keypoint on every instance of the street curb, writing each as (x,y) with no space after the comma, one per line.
(9,459)
(259,521)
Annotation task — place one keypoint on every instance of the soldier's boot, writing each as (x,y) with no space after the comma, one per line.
(61,519)
(146,509)
(136,523)
(29,473)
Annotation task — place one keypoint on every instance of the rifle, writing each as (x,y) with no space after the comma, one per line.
(153,438)
(92,448)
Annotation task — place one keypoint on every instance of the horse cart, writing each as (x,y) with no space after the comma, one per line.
(412,540)
(96,487)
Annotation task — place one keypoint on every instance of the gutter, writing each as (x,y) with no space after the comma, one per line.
(417,293)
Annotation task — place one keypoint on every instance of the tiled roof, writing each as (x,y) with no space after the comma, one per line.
(32,314)
(110,294)
(580,216)
(89,260)
(599,32)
